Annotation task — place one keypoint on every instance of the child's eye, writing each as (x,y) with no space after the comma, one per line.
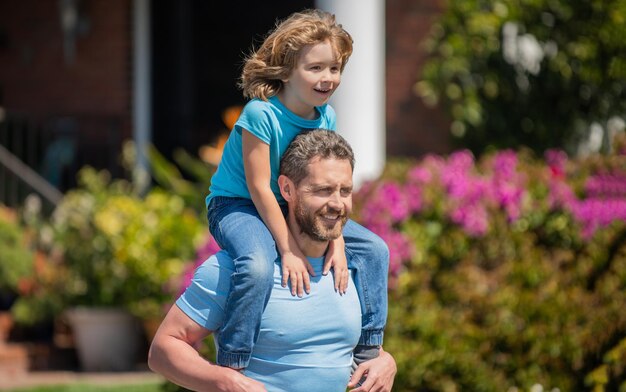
(316,68)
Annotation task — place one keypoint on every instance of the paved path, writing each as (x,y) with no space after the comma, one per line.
(32,379)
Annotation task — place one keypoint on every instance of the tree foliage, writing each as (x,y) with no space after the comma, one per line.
(539,73)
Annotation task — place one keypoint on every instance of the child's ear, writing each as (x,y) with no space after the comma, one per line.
(286,187)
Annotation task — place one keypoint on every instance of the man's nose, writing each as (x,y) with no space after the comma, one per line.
(334,201)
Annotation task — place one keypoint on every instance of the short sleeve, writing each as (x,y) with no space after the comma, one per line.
(205,298)
(331,118)
(256,118)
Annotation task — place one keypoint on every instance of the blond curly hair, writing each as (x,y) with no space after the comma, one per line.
(265,69)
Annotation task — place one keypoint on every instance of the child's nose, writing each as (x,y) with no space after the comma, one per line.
(327,75)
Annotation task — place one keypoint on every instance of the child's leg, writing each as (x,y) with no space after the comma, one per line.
(237,227)
(369,256)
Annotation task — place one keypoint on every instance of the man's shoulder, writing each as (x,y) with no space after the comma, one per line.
(204,299)
(208,273)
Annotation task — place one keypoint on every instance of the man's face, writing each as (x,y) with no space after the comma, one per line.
(324,199)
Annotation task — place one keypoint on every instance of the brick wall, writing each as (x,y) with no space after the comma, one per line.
(412,128)
(37,81)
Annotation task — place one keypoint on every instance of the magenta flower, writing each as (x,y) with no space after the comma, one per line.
(206,250)
(400,248)
(597,213)
(606,185)
(473,218)
(556,160)
(414,197)
(388,204)
(508,185)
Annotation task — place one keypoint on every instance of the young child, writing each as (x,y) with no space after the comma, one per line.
(289,79)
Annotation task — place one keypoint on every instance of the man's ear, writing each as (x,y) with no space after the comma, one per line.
(286,186)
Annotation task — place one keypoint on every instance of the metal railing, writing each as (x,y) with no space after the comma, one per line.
(44,158)
(17,180)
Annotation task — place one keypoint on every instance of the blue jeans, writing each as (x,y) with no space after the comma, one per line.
(237,227)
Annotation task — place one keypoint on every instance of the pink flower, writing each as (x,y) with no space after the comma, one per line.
(508,184)
(400,247)
(560,194)
(389,203)
(556,160)
(206,250)
(597,213)
(473,218)
(414,197)
(606,185)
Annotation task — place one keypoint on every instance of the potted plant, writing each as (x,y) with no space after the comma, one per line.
(116,253)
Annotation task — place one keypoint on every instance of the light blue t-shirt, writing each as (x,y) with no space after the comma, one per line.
(273,124)
(304,344)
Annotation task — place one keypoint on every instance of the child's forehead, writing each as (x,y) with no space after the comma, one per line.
(324,49)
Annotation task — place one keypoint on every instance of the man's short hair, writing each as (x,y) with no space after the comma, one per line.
(310,144)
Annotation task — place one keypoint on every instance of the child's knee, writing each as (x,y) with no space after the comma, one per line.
(260,268)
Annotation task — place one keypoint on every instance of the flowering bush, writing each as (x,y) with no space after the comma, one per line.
(112,247)
(506,272)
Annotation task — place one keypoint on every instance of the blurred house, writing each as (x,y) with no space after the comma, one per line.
(78,77)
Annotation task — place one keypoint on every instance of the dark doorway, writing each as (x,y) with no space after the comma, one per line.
(198,49)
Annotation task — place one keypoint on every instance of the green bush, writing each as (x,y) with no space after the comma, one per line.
(537,73)
(506,273)
(16,259)
(109,246)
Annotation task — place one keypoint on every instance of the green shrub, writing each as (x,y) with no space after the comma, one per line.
(16,259)
(109,246)
(506,272)
(537,73)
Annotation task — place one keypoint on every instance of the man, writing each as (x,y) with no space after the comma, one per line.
(305,344)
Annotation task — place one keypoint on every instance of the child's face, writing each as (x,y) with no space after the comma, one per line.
(313,80)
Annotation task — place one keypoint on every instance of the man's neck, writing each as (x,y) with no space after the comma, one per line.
(307,245)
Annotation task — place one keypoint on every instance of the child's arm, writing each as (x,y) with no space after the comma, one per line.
(336,258)
(256,160)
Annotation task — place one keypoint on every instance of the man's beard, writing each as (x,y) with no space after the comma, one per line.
(311,223)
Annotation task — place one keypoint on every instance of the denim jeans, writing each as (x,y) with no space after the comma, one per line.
(237,227)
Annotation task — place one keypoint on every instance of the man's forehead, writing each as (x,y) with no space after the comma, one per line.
(324,170)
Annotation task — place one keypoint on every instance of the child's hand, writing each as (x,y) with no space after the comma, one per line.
(336,258)
(296,271)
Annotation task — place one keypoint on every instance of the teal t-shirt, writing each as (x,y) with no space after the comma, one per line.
(304,344)
(273,124)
